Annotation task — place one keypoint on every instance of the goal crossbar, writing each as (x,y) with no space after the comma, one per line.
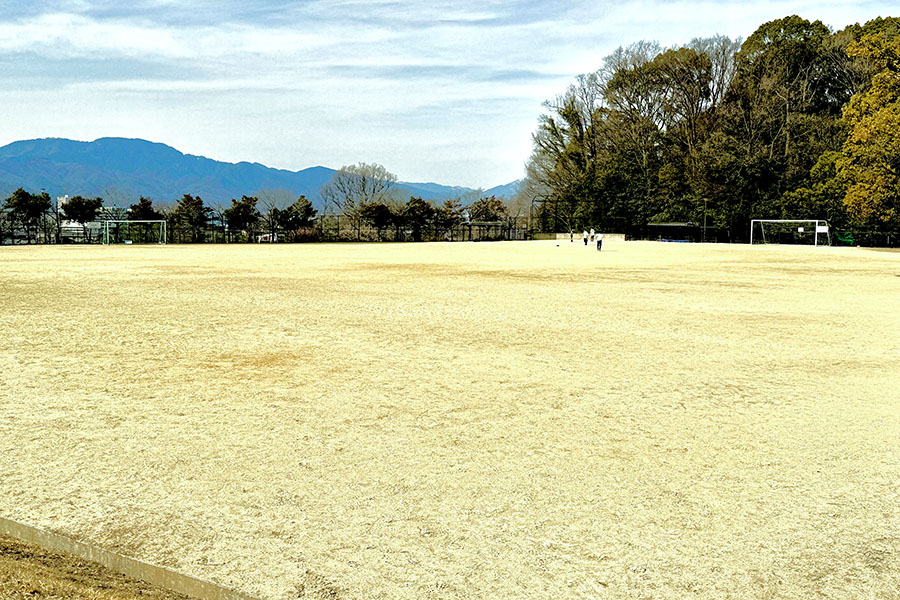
(105,223)
(819,225)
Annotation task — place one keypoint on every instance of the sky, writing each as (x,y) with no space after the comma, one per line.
(445,92)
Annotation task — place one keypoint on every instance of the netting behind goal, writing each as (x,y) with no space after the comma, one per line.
(133,232)
(811,232)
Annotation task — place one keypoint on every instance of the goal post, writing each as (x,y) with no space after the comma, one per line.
(126,231)
(813,232)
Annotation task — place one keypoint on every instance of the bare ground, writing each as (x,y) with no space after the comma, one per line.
(463,420)
(28,572)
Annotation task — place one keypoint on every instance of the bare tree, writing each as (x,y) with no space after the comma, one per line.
(628,57)
(273,202)
(721,50)
(117,199)
(355,185)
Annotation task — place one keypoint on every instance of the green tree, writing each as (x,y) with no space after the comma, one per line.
(302,212)
(853,71)
(28,210)
(684,78)
(448,216)
(379,215)
(5,226)
(870,160)
(596,156)
(243,216)
(782,89)
(567,147)
(823,199)
(712,130)
(779,116)
(192,217)
(82,211)
(418,215)
(487,210)
(300,215)
(143,210)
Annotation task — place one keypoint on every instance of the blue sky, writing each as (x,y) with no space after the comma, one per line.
(444,92)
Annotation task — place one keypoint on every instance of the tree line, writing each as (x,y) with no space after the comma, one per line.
(365,196)
(360,203)
(189,220)
(796,122)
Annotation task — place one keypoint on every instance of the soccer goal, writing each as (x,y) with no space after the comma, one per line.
(123,231)
(813,232)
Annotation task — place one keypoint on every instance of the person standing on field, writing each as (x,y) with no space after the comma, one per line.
(599,241)
(592,234)
(585,237)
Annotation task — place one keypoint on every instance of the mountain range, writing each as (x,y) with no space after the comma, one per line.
(120,170)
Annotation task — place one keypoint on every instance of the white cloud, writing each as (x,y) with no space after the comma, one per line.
(69,35)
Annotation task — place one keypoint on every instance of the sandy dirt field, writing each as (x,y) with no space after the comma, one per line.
(508,420)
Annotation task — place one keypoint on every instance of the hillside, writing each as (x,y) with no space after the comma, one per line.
(120,170)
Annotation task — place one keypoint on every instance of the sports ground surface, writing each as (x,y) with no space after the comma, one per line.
(509,420)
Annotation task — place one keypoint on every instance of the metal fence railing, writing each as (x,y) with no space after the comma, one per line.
(339,228)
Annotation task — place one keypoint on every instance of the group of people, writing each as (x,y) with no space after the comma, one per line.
(592,236)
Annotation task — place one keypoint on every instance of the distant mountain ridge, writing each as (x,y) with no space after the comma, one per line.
(121,169)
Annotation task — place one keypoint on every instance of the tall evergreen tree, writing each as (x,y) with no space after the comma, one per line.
(27,210)
(192,217)
(82,211)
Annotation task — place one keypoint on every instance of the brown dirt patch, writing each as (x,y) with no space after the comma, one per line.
(28,572)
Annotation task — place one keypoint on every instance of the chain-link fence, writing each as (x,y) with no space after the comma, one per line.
(338,228)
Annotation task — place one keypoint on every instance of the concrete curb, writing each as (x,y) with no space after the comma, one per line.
(132,567)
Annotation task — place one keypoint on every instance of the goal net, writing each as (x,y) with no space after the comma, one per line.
(812,232)
(123,231)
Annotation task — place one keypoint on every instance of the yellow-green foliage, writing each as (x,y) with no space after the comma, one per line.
(871,155)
